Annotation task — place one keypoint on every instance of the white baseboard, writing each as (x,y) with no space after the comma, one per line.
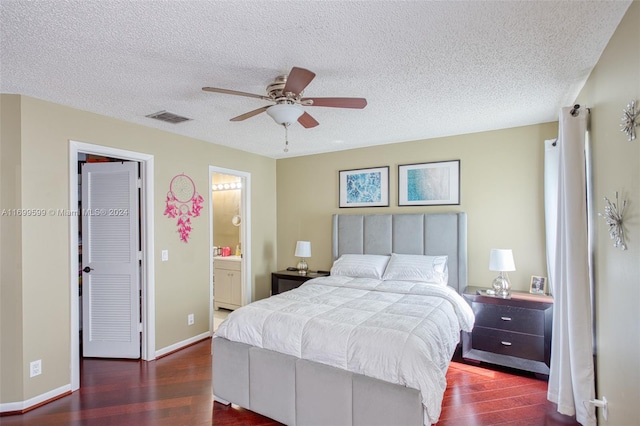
(24,405)
(180,345)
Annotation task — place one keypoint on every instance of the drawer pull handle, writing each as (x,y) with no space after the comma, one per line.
(506,343)
(505,318)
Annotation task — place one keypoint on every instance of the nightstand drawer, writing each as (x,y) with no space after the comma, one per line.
(286,284)
(519,345)
(282,281)
(510,318)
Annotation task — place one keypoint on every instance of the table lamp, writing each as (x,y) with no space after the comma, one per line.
(501,260)
(303,250)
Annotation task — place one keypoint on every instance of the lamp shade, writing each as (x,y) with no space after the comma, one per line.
(303,249)
(285,113)
(501,260)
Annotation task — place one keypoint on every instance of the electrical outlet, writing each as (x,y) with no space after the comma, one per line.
(35,368)
(190,319)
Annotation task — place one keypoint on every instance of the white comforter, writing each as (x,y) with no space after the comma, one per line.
(403,332)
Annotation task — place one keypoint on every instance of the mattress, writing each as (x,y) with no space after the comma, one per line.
(403,332)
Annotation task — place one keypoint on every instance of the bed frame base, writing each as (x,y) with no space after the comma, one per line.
(295,391)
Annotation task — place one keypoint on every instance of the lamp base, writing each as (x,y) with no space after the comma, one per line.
(302,267)
(501,286)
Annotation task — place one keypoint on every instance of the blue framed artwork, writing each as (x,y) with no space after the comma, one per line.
(364,187)
(429,184)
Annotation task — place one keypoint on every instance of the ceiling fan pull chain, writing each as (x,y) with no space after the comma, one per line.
(286,137)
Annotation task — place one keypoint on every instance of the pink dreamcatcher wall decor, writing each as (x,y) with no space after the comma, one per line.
(183,202)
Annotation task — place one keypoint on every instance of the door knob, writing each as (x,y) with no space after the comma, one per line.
(87,269)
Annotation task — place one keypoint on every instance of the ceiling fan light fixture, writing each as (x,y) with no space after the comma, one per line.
(285,113)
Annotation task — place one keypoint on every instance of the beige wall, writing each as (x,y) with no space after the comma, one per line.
(613,84)
(41,180)
(11,351)
(501,190)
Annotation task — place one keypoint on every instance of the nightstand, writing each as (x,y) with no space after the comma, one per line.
(282,281)
(513,332)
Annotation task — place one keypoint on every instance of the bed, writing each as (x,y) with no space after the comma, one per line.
(313,355)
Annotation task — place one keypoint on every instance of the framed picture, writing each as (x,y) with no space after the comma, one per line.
(429,184)
(364,187)
(538,285)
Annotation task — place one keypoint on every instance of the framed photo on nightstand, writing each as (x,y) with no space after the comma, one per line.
(538,285)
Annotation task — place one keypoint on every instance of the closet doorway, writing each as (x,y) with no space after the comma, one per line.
(146,271)
(230,225)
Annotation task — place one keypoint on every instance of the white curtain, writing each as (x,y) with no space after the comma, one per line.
(551,149)
(572,378)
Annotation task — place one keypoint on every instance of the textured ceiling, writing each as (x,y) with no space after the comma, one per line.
(427,68)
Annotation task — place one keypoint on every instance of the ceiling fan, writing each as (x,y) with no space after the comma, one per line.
(286,93)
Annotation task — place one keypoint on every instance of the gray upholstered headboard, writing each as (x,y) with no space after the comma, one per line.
(428,233)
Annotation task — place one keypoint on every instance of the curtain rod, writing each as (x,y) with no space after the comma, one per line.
(575,111)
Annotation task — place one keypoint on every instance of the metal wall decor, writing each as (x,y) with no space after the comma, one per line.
(630,120)
(613,215)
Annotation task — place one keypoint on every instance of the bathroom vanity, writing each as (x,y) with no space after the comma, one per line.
(227,273)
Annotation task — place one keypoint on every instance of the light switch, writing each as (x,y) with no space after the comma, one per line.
(165,255)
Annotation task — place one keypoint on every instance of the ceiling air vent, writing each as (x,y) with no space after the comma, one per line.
(168,117)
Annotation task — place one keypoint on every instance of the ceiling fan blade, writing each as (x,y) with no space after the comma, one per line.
(297,80)
(235,92)
(307,121)
(250,113)
(358,103)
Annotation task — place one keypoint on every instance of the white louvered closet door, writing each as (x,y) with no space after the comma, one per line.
(110,277)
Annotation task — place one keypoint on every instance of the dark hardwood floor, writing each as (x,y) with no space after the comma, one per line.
(497,396)
(176,390)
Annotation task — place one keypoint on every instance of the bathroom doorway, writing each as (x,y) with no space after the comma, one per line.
(230,226)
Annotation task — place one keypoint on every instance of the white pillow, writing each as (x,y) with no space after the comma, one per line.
(360,265)
(415,267)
